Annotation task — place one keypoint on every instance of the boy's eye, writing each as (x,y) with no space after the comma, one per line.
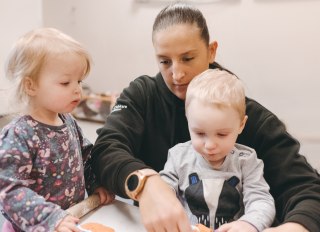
(65,83)
(187,58)
(222,135)
(200,133)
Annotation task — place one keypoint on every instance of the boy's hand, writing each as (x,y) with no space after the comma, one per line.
(239,226)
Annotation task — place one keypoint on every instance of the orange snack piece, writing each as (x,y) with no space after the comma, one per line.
(203,228)
(97,227)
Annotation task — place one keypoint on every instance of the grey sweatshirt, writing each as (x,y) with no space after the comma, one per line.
(217,196)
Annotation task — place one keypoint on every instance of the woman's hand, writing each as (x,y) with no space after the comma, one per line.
(105,196)
(287,227)
(160,209)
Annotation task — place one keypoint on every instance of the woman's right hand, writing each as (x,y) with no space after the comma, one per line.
(68,224)
(160,209)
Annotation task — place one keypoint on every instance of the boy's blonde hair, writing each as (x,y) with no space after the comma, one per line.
(32,50)
(218,87)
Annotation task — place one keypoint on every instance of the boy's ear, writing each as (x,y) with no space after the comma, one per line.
(243,123)
(30,86)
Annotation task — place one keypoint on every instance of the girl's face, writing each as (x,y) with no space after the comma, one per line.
(182,54)
(213,130)
(59,85)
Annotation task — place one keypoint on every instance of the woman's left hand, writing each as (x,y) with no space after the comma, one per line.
(105,196)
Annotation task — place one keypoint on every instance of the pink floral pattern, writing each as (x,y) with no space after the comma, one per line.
(42,171)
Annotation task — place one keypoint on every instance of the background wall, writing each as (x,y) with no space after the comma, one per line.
(272,45)
(16,18)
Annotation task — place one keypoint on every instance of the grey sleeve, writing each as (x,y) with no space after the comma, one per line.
(258,202)
(169,173)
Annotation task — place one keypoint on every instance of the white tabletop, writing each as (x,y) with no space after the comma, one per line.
(118,215)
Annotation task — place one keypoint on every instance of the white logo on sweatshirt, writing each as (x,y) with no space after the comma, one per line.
(118,107)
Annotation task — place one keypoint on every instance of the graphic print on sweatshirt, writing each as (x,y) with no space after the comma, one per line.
(218,195)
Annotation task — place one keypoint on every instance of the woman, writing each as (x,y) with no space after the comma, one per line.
(149,118)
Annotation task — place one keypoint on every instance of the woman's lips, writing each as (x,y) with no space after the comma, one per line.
(180,86)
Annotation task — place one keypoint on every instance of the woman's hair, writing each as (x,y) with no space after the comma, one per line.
(181,13)
(218,87)
(32,50)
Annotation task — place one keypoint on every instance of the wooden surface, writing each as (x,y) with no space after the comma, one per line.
(86,206)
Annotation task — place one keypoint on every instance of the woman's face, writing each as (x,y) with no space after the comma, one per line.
(182,54)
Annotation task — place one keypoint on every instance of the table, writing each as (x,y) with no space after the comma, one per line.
(119,215)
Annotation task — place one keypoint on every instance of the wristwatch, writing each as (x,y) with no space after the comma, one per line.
(136,180)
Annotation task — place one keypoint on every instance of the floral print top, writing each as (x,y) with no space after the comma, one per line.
(42,171)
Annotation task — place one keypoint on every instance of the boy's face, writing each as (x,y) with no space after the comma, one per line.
(213,130)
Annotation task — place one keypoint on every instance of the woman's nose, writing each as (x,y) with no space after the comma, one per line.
(177,72)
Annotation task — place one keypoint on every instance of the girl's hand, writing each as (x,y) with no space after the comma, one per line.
(68,224)
(105,196)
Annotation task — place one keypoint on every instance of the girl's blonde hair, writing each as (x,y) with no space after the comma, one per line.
(32,50)
(218,87)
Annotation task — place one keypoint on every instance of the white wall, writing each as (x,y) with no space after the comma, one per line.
(273,46)
(16,18)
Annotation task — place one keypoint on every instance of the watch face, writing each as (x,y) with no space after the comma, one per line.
(132,182)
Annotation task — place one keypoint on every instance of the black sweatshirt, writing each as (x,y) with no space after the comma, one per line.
(148,119)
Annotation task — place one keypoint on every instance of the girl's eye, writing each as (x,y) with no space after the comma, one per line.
(65,83)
